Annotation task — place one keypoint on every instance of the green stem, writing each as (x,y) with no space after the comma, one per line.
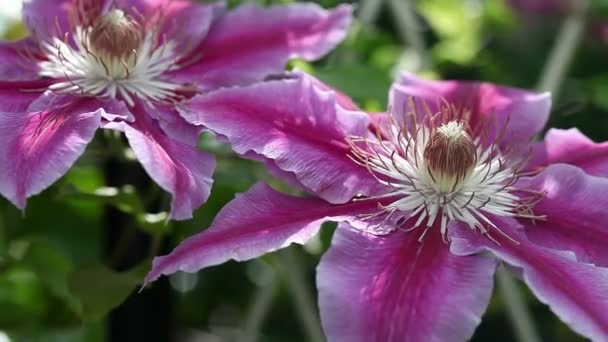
(260,308)
(563,51)
(410,29)
(122,245)
(369,10)
(304,304)
(3,242)
(155,246)
(519,315)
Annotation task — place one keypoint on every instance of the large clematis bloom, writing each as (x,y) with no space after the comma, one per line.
(423,196)
(127,65)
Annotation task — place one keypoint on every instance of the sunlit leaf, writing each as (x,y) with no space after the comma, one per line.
(458,24)
(358,81)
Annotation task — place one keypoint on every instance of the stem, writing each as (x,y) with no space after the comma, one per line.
(369,10)
(155,246)
(409,28)
(563,51)
(121,246)
(518,313)
(259,310)
(3,241)
(304,304)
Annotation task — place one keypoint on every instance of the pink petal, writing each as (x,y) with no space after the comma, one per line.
(571,147)
(16,61)
(296,125)
(394,288)
(576,209)
(522,113)
(17,96)
(251,42)
(577,292)
(254,223)
(341,98)
(44,18)
(51,18)
(174,125)
(185,22)
(39,146)
(180,169)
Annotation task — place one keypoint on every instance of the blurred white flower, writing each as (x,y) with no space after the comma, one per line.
(10,11)
(4,337)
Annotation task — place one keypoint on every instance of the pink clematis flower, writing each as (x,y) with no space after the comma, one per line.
(423,197)
(127,65)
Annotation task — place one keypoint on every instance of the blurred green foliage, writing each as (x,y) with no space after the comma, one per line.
(58,280)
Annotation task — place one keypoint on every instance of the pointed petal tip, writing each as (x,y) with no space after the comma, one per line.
(156,272)
(254,223)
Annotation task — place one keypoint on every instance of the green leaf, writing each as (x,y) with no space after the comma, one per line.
(125,198)
(597,90)
(51,266)
(599,8)
(459,27)
(359,81)
(85,178)
(100,289)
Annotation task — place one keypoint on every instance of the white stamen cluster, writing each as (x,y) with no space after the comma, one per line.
(465,191)
(84,69)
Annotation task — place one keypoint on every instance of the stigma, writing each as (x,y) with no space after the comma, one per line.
(437,172)
(116,35)
(450,156)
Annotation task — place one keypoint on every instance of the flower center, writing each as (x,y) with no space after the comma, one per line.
(116,35)
(112,58)
(450,155)
(436,174)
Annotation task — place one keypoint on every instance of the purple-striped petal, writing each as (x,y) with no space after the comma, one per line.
(521,113)
(251,42)
(47,18)
(577,292)
(296,125)
(394,288)
(186,22)
(17,96)
(254,223)
(174,125)
(179,168)
(54,18)
(39,146)
(341,98)
(571,147)
(16,61)
(576,209)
